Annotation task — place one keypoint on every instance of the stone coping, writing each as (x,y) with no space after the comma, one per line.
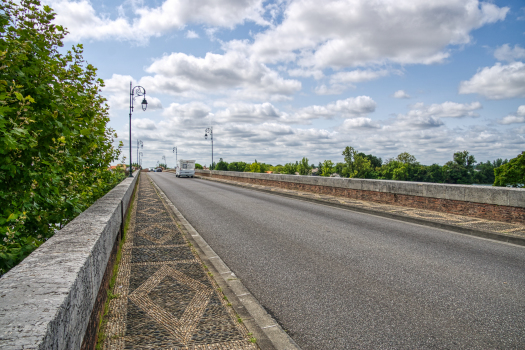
(512,197)
(46,300)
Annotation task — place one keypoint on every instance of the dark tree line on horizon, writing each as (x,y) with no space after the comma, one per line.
(462,169)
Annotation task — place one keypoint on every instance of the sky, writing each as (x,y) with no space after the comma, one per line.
(282,80)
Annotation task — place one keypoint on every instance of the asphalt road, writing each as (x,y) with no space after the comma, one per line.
(337,279)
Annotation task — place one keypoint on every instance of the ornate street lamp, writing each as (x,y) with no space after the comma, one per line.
(134,92)
(140,159)
(210,131)
(165,164)
(176,160)
(140,144)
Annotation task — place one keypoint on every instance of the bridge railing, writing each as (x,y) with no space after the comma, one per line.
(53,298)
(487,202)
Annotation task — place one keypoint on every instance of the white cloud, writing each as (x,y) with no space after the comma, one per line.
(423,116)
(357,76)
(299,72)
(347,33)
(341,81)
(401,94)
(518,117)
(332,90)
(446,110)
(214,73)
(505,53)
(83,22)
(350,107)
(143,123)
(190,34)
(360,123)
(249,113)
(497,82)
(190,114)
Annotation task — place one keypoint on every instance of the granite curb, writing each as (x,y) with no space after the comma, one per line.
(267,331)
(513,239)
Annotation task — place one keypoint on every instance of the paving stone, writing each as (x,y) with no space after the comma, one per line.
(165,298)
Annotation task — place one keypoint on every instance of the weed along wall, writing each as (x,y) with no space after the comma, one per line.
(486,202)
(53,299)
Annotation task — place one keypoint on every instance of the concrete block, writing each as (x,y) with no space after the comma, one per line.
(455,192)
(516,197)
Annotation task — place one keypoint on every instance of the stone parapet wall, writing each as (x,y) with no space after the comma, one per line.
(46,301)
(493,203)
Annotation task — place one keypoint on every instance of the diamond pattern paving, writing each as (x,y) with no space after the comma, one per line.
(165,299)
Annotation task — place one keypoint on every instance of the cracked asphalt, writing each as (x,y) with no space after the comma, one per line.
(338,279)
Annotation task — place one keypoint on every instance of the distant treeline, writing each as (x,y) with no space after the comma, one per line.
(462,169)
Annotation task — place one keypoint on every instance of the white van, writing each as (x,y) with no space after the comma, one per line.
(186,168)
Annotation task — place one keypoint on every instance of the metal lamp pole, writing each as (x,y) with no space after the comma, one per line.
(134,92)
(176,160)
(210,131)
(166,165)
(140,159)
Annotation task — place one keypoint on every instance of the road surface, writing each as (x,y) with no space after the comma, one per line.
(337,279)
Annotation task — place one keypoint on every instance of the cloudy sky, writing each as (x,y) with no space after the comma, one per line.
(279,80)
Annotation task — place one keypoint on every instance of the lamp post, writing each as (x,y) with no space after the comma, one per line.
(176,160)
(134,92)
(140,144)
(166,165)
(210,131)
(140,159)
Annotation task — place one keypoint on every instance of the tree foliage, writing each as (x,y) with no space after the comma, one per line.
(461,169)
(512,173)
(328,168)
(302,167)
(54,145)
(222,165)
(356,164)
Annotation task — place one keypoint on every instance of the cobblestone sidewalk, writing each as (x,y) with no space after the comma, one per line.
(465,222)
(165,299)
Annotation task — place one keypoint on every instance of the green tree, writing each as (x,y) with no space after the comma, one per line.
(255,167)
(54,143)
(356,165)
(512,173)
(198,166)
(376,162)
(222,165)
(237,166)
(435,173)
(277,169)
(289,168)
(328,167)
(303,168)
(461,169)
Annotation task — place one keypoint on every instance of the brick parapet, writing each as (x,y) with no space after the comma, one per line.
(492,203)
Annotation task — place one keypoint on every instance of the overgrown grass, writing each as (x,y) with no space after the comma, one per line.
(104,319)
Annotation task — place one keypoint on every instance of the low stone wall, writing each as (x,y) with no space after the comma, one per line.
(492,203)
(47,301)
